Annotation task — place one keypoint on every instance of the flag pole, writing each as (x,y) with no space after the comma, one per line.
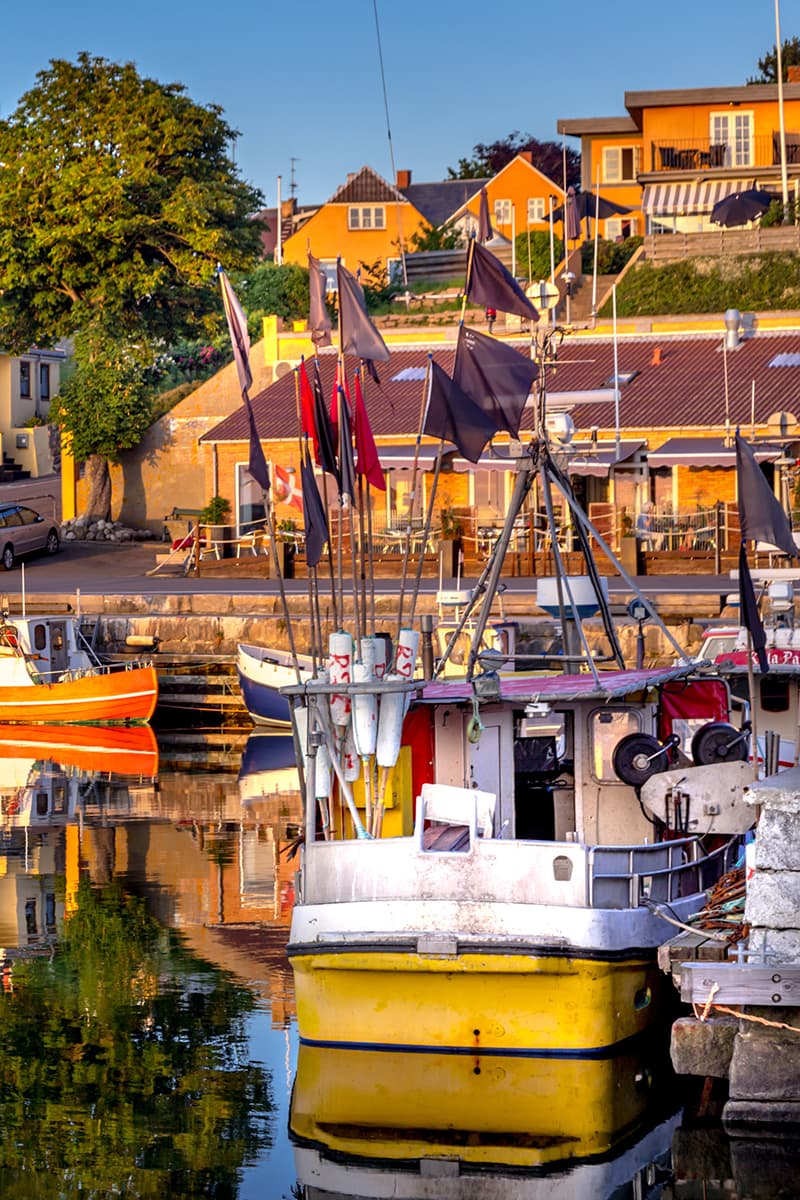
(423,409)
(315,643)
(370,556)
(326,502)
(426,532)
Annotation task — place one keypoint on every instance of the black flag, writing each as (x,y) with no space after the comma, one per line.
(359,335)
(761,516)
(240,341)
(454,416)
(347,470)
(490,284)
(495,376)
(326,441)
(748,610)
(318,317)
(315,521)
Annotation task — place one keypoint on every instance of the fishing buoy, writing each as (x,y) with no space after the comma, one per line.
(407,651)
(381,656)
(367,651)
(340,670)
(322,774)
(300,718)
(351,763)
(365,712)
(390,725)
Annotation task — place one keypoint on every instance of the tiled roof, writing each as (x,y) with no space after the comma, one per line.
(366,186)
(438,201)
(683,390)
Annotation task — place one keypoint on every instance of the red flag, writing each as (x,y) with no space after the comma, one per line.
(307,422)
(367,464)
(285,487)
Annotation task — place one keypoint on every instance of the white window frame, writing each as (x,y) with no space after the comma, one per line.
(613,164)
(502,212)
(613,226)
(536,209)
(328,268)
(394,271)
(734,127)
(366,217)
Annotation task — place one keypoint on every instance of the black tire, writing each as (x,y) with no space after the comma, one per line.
(53,542)
(719,742)
(9,558)
(636,757)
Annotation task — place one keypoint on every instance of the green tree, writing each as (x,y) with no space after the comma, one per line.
(118,196)
(436,237)
(489,158)
(282,290)
(768,65)
(538,266)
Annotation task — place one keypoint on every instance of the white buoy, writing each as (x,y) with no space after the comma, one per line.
(381,656)
(340,670)
(351,763)
(407,650)
(365,712)
(368,651)
(322,774)
(390,725)
(300,718)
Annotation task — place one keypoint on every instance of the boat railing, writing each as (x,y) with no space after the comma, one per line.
(90,672)
(661,872)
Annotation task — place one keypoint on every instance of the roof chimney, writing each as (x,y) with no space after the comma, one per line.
(733,321)
(403,179)
(793,74)
(657,359)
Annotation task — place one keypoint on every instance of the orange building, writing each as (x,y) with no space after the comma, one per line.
(520,198)
(678,152)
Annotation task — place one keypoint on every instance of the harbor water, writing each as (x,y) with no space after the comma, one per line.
(148,1032)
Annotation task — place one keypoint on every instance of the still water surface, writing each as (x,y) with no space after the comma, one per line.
(148,1044)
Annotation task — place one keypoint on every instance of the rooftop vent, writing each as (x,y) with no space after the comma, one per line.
(733,323)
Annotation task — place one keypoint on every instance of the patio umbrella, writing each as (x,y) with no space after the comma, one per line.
(484,220)
(572,221)
(589,205)
(741,207)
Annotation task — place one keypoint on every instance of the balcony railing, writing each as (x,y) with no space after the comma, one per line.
(703,154)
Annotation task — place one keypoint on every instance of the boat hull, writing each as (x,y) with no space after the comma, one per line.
(107,697)
(534,1001)
(262,673)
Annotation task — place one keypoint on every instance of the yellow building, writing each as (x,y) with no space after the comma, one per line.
(520,198)
(678,152)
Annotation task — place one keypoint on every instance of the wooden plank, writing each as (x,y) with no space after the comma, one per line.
(741,983)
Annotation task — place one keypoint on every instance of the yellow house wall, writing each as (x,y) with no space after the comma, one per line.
(627,193)
(327,235)
(684,122)
(519,182)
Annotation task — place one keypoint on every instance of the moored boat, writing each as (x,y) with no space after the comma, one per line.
(120,749)
(49,674)
(262,673)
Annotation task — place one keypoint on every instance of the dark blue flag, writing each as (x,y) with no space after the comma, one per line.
(490,284)
(748,611)
(495,376)
(325,440)
(761,516)
(359,336)
(315,521)
(452,415)
(347,470)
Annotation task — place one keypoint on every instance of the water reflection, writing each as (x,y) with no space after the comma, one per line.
(147,1035)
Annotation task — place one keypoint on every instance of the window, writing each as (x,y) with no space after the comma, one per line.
(25,380)
(607,726)
(27,516)
(366,216)
(620,164)
(328,268)
(536,209)
(394,271)
(44,381)
(734,131)
(502,212)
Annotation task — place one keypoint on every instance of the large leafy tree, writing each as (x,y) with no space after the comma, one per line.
(768,65)
(118,196)
(489,158)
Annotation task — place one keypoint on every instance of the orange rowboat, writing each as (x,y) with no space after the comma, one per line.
(117,749)
(101,694)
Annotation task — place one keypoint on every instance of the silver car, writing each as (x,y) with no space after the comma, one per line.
(22,530)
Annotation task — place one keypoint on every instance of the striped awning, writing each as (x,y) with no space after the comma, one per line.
(679,199)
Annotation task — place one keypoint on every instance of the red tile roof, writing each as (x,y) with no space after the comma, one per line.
(679,383)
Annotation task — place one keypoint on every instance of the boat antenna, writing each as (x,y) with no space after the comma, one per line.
(400,243)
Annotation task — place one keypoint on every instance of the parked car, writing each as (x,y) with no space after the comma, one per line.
(22,531)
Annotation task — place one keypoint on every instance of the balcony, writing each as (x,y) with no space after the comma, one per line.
(701,154)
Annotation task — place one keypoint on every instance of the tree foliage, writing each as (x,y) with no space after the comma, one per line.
(282,290)
(538,243)
(489,158)
(768,65)
(436,237)
(118,196)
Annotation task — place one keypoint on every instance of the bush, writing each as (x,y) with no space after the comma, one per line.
(611,256)
(762,282)
(538,265)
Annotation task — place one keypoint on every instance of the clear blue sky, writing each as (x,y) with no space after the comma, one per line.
(303,80)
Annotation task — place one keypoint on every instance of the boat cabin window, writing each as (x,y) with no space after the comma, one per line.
(607,726)
(552,727)
(774,694)
(39,637)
